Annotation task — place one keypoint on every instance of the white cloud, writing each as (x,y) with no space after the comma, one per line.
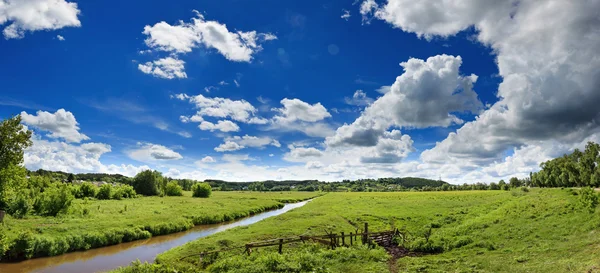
(166,68)
(237,143)
(229,146)
(301,154)
(238,110)
(297,115)
(35,15)
(346,14)
(61,124)
(208,159)
(148,152)
(236,46)
(425,95)
(222,125)
(61,156)
(184,134)
(549,70)
(60,38)
(359,99)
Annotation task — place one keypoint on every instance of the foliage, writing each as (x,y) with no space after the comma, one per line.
(148,182)
(87,190)
(201,190)
(588,199)
(173,189)
(91,223)
(14,138)
(54,200)
(578,169)
(19,205)
(105,192)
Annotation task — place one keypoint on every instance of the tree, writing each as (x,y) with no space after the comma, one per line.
(71,178)
(201,190)
(14,138)
(148,182)
(514,182)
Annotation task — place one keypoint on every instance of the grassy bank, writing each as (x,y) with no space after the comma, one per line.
(543,230)
(95,223)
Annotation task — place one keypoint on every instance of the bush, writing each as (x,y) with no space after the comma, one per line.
(525,189)
(54,200)
(87,190)
(148,182)
(105,192)
(173,189)
(588,199)
(128,191)
(201,190)
(19,206)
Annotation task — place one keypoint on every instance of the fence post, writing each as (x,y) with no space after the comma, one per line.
(343,239)
(280,246)
(248,249)
(350,238)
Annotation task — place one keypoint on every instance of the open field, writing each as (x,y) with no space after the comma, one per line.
(95,223)
(543,230)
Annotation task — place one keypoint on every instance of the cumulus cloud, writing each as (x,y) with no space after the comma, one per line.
(34,15)
(236,46)
(148,152)
(229,146)
(301,154)
(549,68)
(238,110)
(60,38)
(62,156)
(222,125)
(61,124)
(240,142)
(208,159)
(166,68)
(297,115)
(427,94)
(359,99)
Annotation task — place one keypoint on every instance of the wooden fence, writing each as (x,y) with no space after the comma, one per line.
(330,239)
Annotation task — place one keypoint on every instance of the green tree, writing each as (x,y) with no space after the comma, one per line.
(514,182)
(201,190)
(71,178)
(14,138)
(148,182)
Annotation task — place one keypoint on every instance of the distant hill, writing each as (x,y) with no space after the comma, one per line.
(380,184)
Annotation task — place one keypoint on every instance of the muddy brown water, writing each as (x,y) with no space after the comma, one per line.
(111,257)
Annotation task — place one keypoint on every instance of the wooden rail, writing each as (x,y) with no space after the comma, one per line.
(331,240)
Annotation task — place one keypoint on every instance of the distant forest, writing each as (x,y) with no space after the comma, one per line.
(381,184)
(577,169)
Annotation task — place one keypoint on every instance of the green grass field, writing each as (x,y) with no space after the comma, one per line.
(95,223)
(543,230)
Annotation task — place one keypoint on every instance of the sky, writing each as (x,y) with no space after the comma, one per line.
(466,91)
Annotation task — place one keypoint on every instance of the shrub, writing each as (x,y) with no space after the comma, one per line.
(588,199)
(148,182)
(19,206)
(54,200)
(128,191)
(173,189)
(201,190)
(105,192)
(525,189)
(87,190)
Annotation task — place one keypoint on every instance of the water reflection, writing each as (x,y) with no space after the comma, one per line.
(111,257)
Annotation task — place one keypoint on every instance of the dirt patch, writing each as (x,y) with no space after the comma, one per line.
(396,252)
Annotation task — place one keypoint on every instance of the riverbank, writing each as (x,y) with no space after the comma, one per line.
(539,230)
(96,223)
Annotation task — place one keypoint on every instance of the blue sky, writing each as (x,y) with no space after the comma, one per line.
(280,76)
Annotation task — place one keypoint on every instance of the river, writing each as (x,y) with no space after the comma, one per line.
(111,257)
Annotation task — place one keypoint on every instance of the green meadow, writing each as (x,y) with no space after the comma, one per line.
(523,230)
(91,223)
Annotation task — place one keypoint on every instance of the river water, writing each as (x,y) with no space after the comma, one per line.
(112,257)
